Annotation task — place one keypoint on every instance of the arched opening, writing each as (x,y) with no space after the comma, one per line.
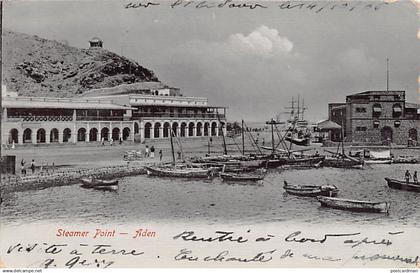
(54,135)
(386,134)
(412,134)
(166,128)
(93,134)
(175,128)
(199,126)
(27,136)
(66,135)
(105,134)
(206,129)
(191,129)
(213,128)
(136,128)
(13,136)
(183,126)
(116,134)
(126,133)
(147,130)
(157,130)
(221,126)
(40,136)
(81,134)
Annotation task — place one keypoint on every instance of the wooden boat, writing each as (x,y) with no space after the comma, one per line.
(299,141)
(378,161)
(402,185)
(241,177)
(282,161)
(99,184)
(180,171)
(354,205)
(405,160)
(310,190)
(335,162)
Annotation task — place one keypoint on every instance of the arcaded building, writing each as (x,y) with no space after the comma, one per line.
(377,117)
(139,111)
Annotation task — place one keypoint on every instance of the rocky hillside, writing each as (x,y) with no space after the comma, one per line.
(33,66)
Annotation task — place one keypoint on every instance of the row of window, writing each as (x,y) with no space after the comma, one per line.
(397,124)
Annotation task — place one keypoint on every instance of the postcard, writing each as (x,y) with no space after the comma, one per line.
(239,134)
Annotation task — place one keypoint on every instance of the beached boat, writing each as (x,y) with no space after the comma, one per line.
(180,171)
(354,205)
(378,161)
(310,190)
(283,161)
(405,160)
(99,184)
(402,185)
(340,162)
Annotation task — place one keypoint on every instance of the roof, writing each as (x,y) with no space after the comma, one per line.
(328,125)
(412,105)
(377,92)
(55,103)
(125,89)
(95,39)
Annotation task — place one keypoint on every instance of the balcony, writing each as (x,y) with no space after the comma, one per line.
(39,118)
(178,115)
(99,118)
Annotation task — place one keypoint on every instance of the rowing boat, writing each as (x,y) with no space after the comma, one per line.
(99,184)
(354,205)
(240,177)
(402,185)
(310,190)
(179,172)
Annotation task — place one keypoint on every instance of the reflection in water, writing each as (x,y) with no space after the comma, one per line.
(140,199)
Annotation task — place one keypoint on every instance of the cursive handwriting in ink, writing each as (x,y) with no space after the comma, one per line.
(293,237)
(407,260)
(20,248)
(140,5)
(211,4)
(366,240)
(225,256)
(224,236)
(104,249)
(327,258)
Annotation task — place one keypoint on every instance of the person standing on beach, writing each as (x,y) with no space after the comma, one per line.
(407,176)
(160,155)
(22,166)
(33,166)
(146,154)
(415,179)
(103,141)
(152,152)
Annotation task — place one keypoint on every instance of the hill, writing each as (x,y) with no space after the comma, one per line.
(33,66)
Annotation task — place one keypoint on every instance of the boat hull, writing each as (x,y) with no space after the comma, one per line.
(311,190)
(341,163)
(354,205)
(234,178)
(179,173)
(402,185)
(111,185)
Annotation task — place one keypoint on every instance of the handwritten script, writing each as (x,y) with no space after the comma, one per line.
(311,6)
(219,247)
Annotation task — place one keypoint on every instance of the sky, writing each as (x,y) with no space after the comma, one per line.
(251,60)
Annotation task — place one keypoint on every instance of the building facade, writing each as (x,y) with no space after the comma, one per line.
(377,117)
(124,113)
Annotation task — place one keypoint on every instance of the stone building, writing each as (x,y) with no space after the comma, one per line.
(128,112)
(377,117)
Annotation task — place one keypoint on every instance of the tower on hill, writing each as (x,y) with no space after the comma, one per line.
(95,42)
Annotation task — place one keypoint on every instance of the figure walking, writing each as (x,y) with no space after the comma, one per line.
(146,154)
(152,152)
(407,176)
(160,155)
(415,179)
(22,166)
(33,166)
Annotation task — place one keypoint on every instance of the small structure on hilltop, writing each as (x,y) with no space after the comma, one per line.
(95,42)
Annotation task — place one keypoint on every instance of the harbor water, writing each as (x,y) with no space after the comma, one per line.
(211,202)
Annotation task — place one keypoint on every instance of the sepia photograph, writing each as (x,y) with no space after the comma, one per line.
(210,134)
